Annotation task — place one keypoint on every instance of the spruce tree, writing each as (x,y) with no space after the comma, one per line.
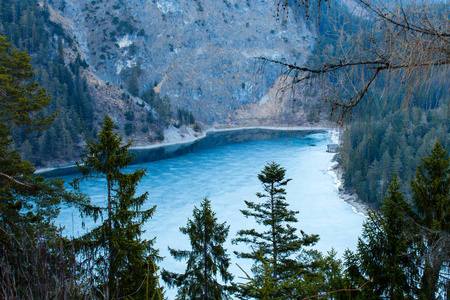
(206,258)
(279,242)
(431,189)
(385,248)
(118,238)
(431,196)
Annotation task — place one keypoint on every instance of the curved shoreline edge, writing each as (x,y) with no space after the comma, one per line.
(335,170)
(217,137)
(208,139)
(346,196)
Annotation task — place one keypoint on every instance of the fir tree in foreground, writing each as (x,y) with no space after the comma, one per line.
(279,242)
(404,247)
(431,196)
(385,250)
(205,260)
(121,259)
(323,274)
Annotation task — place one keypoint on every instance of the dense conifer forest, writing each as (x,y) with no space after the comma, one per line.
(403,112)
(28,27)
(395,141)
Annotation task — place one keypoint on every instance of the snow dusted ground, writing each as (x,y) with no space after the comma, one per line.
(182,134)
(336,171)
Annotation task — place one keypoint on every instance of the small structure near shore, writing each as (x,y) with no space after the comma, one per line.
(333,148)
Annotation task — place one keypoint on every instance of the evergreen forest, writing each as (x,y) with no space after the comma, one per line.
(29,28)
(398,119)
(58,67)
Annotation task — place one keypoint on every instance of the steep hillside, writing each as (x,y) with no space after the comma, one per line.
(199,54)
(155,67)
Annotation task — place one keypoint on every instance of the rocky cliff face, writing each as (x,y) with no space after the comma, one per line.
(201,54)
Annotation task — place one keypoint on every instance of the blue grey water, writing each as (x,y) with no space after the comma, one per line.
(227,175)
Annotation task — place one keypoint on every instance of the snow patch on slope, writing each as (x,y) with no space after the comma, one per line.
(177,135)
(125,41)
(167,6)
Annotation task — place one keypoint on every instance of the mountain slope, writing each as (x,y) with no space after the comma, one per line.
(200,54)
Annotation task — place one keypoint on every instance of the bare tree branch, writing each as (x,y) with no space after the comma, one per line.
(401,20)
(338,291)
(16,181)
(402,39)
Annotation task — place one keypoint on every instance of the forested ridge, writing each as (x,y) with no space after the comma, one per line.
(27,25)
(381,144)
(388,121)
(396,126)
(58,66)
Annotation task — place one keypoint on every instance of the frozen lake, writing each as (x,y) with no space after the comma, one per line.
(227,175)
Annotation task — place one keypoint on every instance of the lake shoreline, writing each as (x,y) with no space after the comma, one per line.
(186,144)
(345,195)
(176,143)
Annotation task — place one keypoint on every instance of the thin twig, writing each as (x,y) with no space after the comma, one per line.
(337,291)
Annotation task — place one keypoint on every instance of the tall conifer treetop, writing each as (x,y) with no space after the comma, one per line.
(279,241)
(108,156)
(121,257)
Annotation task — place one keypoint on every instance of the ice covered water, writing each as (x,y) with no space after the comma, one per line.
(227,175)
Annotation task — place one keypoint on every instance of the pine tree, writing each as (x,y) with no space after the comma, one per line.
(20,98)
(30,245)
(205,260)
(29,28)
(385,248)
(431,196)
(133,82)
(263,286)
(280,241)
(124,272)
